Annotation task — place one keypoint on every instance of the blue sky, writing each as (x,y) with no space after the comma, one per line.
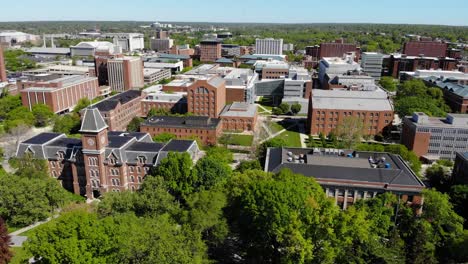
(454,12)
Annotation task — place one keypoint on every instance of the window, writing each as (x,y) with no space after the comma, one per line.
(54,174)
(141,159)
(131,169)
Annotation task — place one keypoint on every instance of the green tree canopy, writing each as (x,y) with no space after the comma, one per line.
(42,114)
(164,137)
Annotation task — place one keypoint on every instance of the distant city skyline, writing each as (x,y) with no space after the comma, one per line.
(254,11)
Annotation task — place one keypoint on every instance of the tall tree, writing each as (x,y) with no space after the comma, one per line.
(42,114)
(5,253)
(350,131)
(134,125)
(82,104)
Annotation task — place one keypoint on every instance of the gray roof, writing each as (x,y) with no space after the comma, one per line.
(239,109)
(332,168)
(92,121)
(201,122)
(39,50)
(216,81)
(122,98)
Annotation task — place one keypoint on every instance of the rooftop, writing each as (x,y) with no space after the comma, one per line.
(451,121)
(332,166)
(202,122)
(351,100)
(239,109)
(122,98)
(92,121)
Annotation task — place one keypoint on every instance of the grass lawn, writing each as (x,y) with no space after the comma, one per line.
(275,127)
(292,138)
(19,255)
(240,140)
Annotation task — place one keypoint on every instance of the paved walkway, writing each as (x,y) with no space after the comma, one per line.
(17,240)
(303,136)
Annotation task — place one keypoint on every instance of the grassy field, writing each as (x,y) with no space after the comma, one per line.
(240,140)
(275,127)
(292,138)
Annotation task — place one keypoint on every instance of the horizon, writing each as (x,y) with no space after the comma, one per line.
(399,12)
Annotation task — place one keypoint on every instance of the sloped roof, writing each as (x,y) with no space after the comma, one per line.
(92,121)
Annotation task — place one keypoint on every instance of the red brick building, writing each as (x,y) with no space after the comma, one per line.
(207,97)
(204,128)
(331,49)
(328,109)
(3,76)
(120,109)
(61,94)
(210,50)
(239,117)
(101,161)
(425,48)
(398,63)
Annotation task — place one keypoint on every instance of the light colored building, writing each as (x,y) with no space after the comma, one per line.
(239,116)
(173,65)
(89,48)
(161,44)
(152,75)
(14,37)
(128,41)
(269,46)
(288,47)
(434,137)
(371,63)
(125,73)
(337,66)
(155,97)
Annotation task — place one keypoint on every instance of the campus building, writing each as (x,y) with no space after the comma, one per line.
(328,108)
(425,48)
(204,128)
(210,50)
(269,46)
(435,138)
(239,116)
(152,75)
(348,176)
(207,96)
(125,73)
(61,94)
(161,44)
(101,161)
(120,109)
(371,63)
(460,169)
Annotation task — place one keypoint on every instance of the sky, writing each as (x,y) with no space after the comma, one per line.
(454,12)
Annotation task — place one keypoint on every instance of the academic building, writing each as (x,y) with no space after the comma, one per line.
(348,176)
(101,161)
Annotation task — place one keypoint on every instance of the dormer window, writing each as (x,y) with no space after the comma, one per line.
(61,155)
(141,159)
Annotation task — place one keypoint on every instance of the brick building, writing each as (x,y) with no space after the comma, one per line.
(101,161)
(101,59)
(155,97)
(348,176)
(61,94)
(331,49)
(204,128)
(328,108)
(120,109)
(3,76)
(207,96)
(125,73)
(155,75)
(396,63)
(210,50)
(239,117)
(435,138)
(425,48)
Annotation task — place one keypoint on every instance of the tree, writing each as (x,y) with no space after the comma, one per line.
(285,107)
(211,172)
(8,103)
(279,218)
(5,253)
(82,104)
(176,170)
(29,167)
(388,83)
(246,165)
(459,199)
(276,111)
(134,125)
(19,116)
(18,132)
(439,177)
(221,154)
(296,108)
(68,124)
(42,114)
(350,131)
(164,137)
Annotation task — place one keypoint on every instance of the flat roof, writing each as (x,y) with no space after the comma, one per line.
(351,100)
(239,109)
(200,122)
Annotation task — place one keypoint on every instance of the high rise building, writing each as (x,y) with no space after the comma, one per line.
(125,73)
(161,44)
(371,63)
(269,46)
(3,76)
(207,97)
(128,41)
(210,50)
